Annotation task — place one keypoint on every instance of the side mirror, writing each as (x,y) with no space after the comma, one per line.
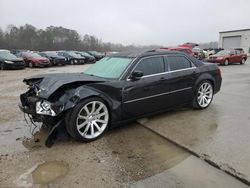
(136,75)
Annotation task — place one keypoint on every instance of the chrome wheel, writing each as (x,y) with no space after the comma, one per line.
(243,61)
(205,94)
(92,119)
(30,65)
(226,62)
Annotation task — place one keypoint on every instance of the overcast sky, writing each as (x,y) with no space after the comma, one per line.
(143,22)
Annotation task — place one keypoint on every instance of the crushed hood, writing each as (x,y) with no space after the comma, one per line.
(47,84)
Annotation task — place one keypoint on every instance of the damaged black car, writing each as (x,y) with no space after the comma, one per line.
(119,88)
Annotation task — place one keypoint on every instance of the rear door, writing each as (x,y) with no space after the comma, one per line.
(180,80)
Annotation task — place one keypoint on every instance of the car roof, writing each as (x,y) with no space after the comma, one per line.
(136,54)
(140,54)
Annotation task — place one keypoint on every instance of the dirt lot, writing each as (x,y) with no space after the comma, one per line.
(127,156)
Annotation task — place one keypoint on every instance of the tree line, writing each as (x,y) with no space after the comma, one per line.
(60,38)
(56,38)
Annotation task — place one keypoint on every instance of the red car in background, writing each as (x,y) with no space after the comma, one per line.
(186,48)
(34,60)
(226,57)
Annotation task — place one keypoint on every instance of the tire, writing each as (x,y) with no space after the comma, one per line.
(30,65)
(226,63)
(88,120)
(203,95)
(72,62)
(2,67)
(243,61)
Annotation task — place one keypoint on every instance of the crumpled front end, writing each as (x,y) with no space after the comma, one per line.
(38,109)
(49,114)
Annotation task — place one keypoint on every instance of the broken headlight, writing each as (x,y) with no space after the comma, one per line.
(44,108)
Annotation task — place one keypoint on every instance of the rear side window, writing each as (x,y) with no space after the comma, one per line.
(152,65)
(178,63)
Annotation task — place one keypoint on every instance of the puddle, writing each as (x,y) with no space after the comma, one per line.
(49,171)
(43,173)
(140,153)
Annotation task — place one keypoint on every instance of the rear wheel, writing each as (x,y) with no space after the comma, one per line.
(243,61)
(204,95)
(88,120)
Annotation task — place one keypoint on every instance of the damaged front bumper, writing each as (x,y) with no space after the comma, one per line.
(37,107)
(47,113)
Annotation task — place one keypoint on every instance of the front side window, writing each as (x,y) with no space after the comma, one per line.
(178,63)
(109,67)
(152,65)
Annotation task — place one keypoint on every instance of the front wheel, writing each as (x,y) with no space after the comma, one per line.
(2,67)
(203,95)
(30,65)
(88,120)
(226,62)
(243,61)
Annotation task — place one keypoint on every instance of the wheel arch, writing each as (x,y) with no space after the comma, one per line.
(82,93)
(203,77)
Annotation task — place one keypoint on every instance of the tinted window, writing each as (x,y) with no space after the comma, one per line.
(152,65)
(178,62)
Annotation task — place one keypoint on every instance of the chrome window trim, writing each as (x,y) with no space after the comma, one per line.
(157,95)
(166,72)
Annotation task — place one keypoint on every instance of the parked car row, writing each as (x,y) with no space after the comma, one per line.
(19,59)
(218,55)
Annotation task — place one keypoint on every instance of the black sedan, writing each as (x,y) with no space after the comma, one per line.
(54,58)
(119,88)
(10,61)
(71,57)
(96,54)
(88,58)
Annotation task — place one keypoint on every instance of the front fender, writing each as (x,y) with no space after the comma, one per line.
(84,92)
(72,97)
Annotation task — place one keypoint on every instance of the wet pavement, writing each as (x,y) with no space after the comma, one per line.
(127,156)
(220,133)
(190,173)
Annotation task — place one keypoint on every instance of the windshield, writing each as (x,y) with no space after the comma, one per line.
(34,55)
(223,52)
(109,67)
(95,53)
(51,53)
(74,54)
(85,54)
(7,55)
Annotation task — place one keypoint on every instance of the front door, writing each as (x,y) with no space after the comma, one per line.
(144,96)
